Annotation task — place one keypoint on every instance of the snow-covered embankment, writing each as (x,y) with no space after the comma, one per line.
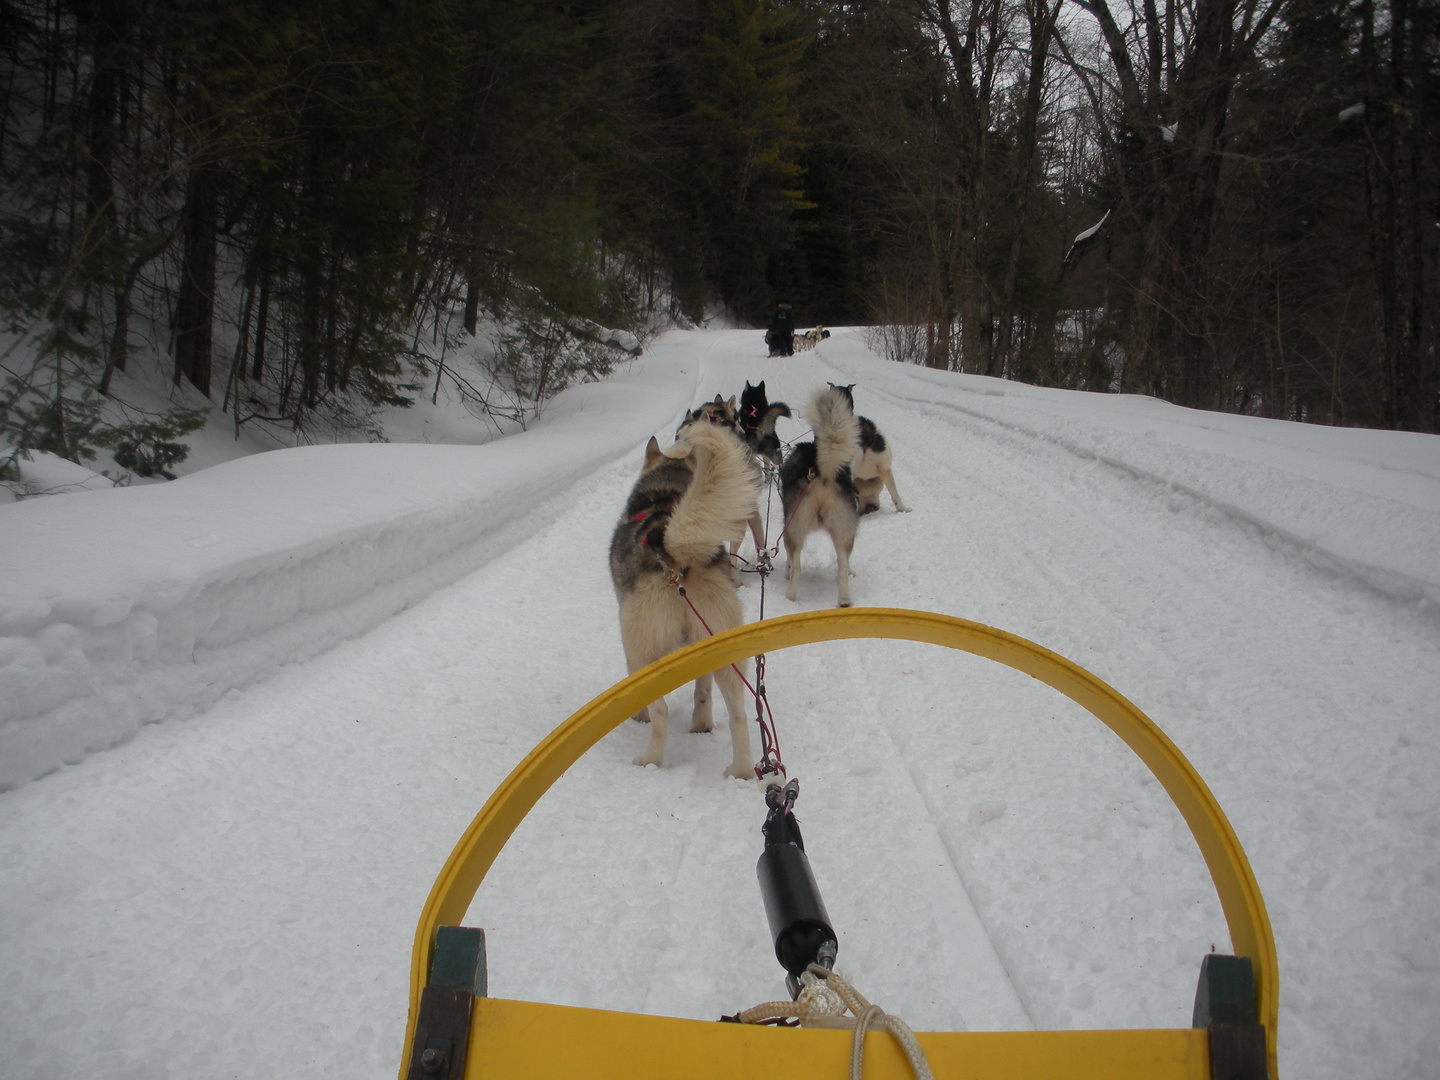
(262,561)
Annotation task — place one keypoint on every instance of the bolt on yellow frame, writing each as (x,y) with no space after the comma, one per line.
(1240,898)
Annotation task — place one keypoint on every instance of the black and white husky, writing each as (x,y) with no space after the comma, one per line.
(817,490)
(690,499)
(757,422)
(873,467)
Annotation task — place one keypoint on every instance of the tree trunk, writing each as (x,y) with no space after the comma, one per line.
(262,326)
(194,323)
(1042,25)
(472,301)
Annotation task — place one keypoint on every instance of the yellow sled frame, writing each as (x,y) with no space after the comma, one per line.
(527,1040)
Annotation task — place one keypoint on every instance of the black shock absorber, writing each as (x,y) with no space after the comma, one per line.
(798,921)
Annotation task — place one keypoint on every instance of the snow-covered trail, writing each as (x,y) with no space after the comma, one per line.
(234,895)
(1305,698)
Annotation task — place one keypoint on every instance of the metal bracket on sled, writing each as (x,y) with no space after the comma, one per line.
(442,1030)
(1225,1007)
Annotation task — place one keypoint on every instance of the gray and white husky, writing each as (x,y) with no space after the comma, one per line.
(690,499)
(722,414)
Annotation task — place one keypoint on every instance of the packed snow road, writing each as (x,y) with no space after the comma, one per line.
(234,894)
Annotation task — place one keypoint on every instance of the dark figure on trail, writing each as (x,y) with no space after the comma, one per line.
(781,335)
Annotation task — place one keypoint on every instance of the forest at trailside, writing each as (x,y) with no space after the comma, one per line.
(298,214)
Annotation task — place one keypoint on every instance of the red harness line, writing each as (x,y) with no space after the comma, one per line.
(769,740)
(770,760)
(773,549)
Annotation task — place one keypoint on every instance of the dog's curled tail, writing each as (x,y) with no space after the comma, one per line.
(837,433)
(720,498)
(772,414)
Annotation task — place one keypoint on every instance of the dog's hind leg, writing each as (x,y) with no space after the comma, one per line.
(703,719)
(757,531)
(650,628)
(842,570)
(742,764)
(889,478)
(659,726)
(718,605)
(844,539)
(792,569)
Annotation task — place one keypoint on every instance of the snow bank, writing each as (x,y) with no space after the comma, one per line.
(1320,489)
(43,473)
(127,606)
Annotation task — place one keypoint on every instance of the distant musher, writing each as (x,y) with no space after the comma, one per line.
(781,335)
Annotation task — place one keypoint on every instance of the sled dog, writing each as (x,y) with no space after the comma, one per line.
(689,500)
(719,412)
(810,338)
(757,421)
(722,413)
(817,491)
(872,467)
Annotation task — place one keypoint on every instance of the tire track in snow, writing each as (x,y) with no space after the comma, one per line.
(1311,550)
(1243,645)
(1004,530)
(994,1000)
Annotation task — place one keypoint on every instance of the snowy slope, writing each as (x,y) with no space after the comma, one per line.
(134,605)
(353,645)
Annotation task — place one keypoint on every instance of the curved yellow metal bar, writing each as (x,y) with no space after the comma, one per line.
(1235,883)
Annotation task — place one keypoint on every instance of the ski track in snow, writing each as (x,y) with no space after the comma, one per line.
(235,895)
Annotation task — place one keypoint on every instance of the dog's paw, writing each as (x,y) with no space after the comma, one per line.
(646,759)
(901,508)
(739,770)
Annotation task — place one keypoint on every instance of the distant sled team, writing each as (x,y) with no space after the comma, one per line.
(784,342)
(674,579)
(808,340)
(782,338)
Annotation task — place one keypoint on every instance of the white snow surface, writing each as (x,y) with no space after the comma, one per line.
(247,714)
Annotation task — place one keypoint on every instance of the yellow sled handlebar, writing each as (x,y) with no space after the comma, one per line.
(1240,898)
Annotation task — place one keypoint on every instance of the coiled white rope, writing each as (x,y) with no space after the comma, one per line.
(823,999)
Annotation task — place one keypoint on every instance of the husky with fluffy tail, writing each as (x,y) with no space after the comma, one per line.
(817,490)
(874,465)
(722,414)
(690,499)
